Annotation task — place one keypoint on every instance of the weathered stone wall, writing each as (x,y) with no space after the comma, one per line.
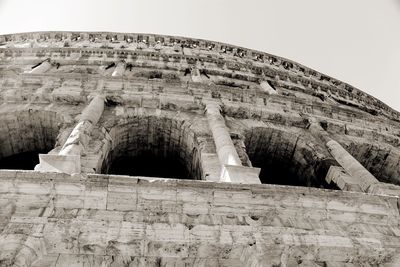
(222,111)
(100,220)
(179,53)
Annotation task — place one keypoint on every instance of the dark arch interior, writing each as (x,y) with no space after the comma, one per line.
(153,147)
(285,158)
(21,161)
(24,135)
(383,161)
(149,164)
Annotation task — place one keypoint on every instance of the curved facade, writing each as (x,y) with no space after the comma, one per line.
(274,164)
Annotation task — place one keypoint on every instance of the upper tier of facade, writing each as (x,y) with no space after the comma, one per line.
(241,67)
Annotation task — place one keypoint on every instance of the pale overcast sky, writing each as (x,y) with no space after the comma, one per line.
(356,41)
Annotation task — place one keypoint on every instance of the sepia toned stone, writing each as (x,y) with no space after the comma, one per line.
(122,149)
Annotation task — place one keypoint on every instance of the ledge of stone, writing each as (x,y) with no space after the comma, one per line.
(122,180)
(384,189)
(59,163)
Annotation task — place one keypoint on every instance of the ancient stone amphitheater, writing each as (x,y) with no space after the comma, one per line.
(147,150)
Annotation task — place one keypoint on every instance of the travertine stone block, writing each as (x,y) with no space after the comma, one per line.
(68,94)
(385,189)
(59,163)
(213,107)
(240,174)
(338,176)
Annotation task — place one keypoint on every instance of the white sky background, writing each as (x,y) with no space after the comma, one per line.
(356,41)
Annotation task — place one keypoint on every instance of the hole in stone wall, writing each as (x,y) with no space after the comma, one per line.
(286,158)
(24,135)
(154,147)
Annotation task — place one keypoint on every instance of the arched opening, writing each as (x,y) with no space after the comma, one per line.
(288,157)
(24,135)
(382,160)
(155,147)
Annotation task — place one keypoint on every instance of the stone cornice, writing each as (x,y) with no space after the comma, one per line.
(248,59)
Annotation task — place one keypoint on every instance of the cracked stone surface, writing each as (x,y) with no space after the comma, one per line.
(279,114)
(99,219)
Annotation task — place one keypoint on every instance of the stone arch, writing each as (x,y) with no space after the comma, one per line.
(381,160)
(24,134)
(154,146)
(288,156)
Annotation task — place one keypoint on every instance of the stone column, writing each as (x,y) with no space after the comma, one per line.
(68,159)
(79,137)
(227,153)
(351,165)
(42,68)
(266,87)
(232,169)
(358,172)
(119,70)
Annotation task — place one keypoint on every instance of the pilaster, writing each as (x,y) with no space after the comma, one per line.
(68,160)
(352,176)
(232,169)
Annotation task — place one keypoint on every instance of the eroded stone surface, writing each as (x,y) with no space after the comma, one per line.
(95,219)
(276,115)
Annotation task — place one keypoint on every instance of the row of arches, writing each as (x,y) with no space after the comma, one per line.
(156,146)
